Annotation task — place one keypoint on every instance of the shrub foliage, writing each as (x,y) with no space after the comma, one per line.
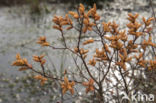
(112,67)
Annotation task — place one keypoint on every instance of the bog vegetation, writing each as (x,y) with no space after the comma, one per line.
(109,69)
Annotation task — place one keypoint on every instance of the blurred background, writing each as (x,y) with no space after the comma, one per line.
(23,21)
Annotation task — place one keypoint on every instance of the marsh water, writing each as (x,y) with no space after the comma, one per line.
(19,30)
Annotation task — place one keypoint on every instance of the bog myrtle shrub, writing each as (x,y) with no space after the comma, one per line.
(111,67)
